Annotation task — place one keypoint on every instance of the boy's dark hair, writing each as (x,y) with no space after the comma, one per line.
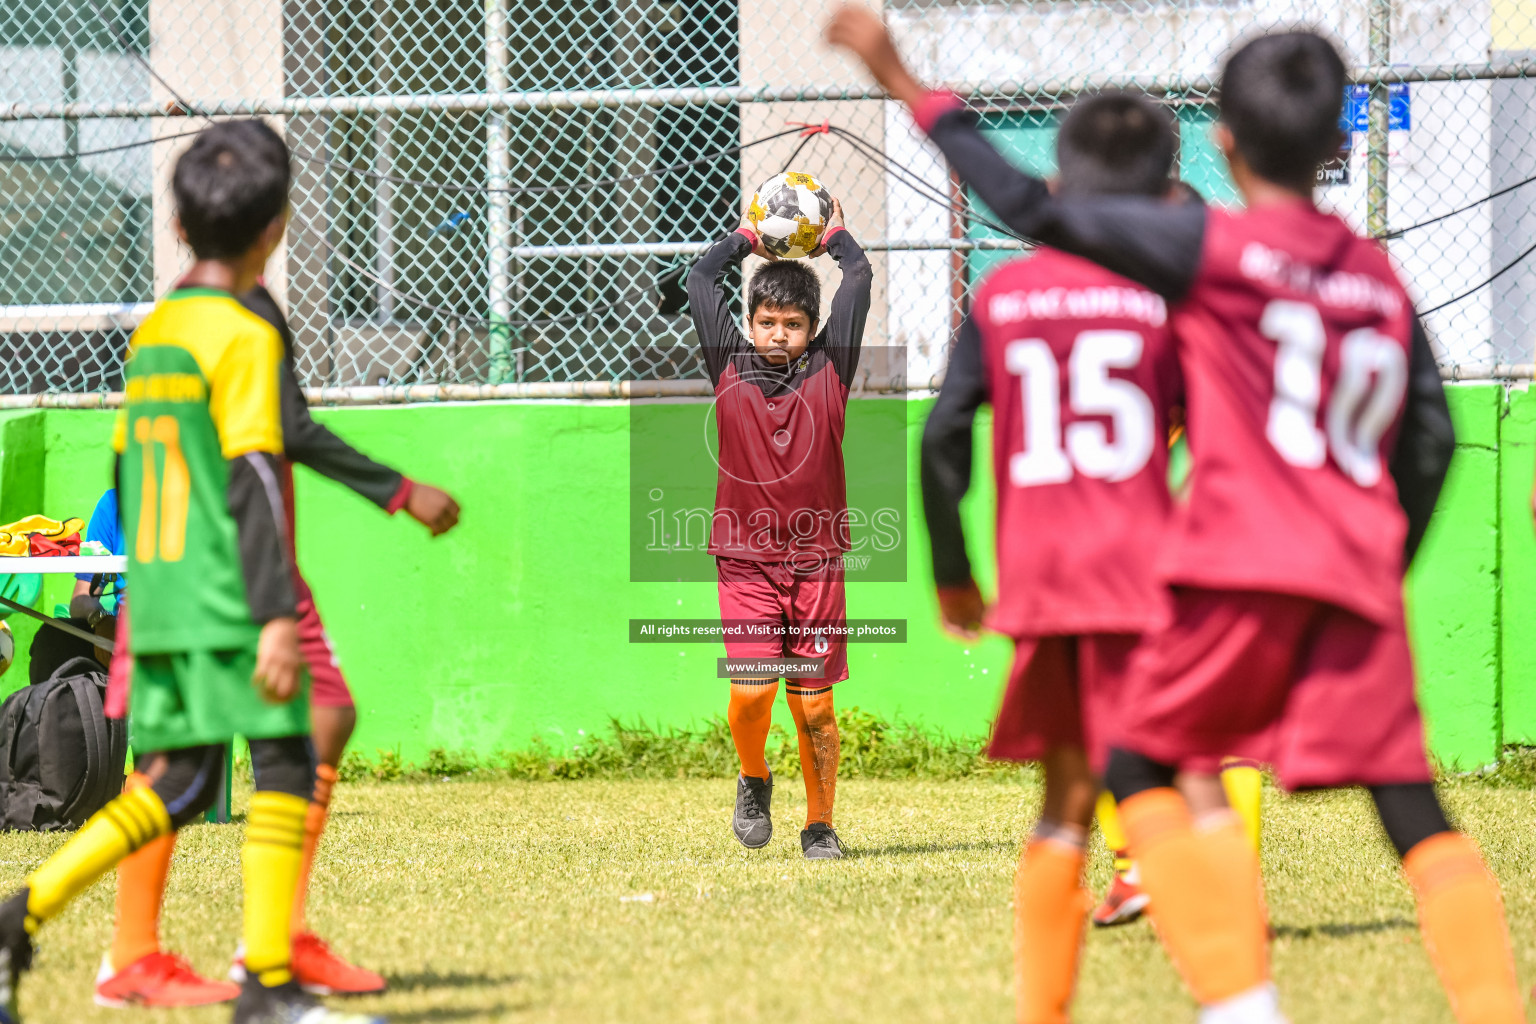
(785,284)
(1281,95)
(229,185)
(1115,142)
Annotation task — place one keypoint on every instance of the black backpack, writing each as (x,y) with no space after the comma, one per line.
(61,758)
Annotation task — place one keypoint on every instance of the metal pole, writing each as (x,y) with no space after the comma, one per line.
(593,99)
(1376,140)
(384,195)
(498,206)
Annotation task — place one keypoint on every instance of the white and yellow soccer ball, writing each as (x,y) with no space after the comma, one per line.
(7,648)
(789,212)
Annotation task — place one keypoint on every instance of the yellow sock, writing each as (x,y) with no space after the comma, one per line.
(270,862)
(127,823)
(1113,831)
(1245,792)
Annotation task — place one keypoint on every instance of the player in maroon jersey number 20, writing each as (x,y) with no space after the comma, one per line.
(780,525)
(1319,436)
(1079,368)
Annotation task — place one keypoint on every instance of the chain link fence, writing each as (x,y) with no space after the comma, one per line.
(502,197)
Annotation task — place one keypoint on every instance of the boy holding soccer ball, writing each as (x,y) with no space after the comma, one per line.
(781,394)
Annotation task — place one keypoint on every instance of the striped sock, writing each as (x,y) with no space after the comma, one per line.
(127,823)
(141,878)
(270,861)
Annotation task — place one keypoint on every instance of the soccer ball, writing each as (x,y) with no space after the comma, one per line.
(789,212)
(7,648)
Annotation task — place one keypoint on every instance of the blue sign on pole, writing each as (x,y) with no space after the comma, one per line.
(1357,108)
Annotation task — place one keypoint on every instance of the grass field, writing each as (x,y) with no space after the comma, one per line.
(629,901)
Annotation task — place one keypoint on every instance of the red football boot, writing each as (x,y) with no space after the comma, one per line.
(1123,903)
(159,979)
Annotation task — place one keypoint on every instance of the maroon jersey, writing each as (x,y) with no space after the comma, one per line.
(1318,425)
(780,494)
(1078,366)
(1295,336)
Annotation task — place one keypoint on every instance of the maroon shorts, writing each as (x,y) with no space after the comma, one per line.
(328,689)
(1323,696)
(1062,692)
(800,601)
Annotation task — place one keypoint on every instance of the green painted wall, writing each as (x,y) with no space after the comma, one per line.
(516,624)
(1517,612)
(1453,591)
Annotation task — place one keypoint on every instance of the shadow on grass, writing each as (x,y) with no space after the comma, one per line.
(494,1011)
(1341,931)
(910,849)
(448,979)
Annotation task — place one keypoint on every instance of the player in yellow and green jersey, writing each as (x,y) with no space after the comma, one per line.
(214,637)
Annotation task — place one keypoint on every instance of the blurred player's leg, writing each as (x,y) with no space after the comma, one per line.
(270,861)
(182,786)
(1126,900)
(1461,913)
(333,717)
(750,714)
(820,749)
(137,972)
(141,882)
(1243,783)
(1050,903)
(1203,888)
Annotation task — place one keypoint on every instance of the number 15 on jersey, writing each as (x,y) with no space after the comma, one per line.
(1052,451)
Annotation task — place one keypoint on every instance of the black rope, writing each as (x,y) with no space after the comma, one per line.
(29,158)
(627,299)
(538,189)
(1400,232)
(911,179)
(796,154)
(1511,265)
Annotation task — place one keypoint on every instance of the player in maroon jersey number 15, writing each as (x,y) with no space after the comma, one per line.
(1079,367)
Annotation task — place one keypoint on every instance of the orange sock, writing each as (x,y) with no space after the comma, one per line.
(1462,918)
(314,824)
(820,748)
(750,714)
(141,878)
(1229,842)
(1207,912)
(1050,910)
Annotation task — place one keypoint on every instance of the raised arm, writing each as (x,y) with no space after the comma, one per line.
(843,335)
(946,476)
(1145,239)
(1425,441)
(719,335)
